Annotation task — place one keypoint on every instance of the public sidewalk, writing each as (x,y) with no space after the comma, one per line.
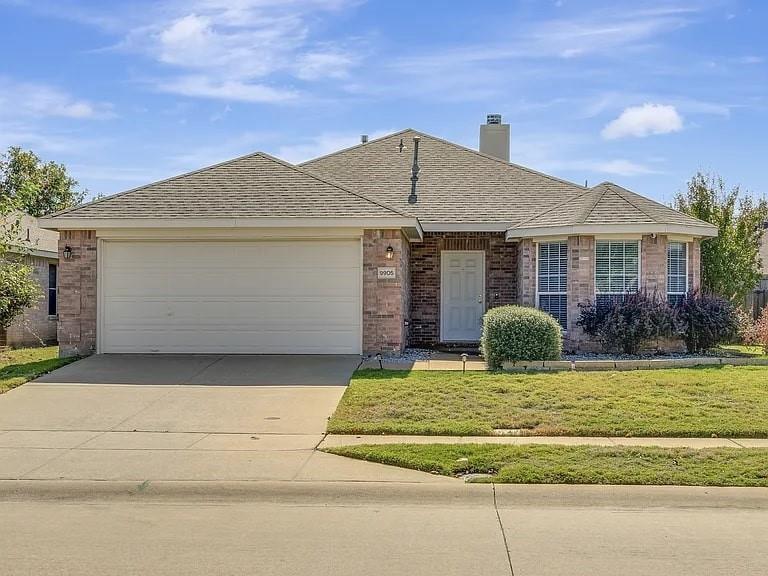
(335,440)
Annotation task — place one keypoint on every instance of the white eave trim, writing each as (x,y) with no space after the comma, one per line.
(411,226)
(601,229)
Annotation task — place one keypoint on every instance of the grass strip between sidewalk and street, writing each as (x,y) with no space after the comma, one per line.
(25,364)
(555,464)
(723,401)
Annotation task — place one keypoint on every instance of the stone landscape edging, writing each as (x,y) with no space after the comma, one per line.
(640,364)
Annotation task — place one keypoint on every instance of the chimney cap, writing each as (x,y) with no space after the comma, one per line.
(364,139)
(493,119)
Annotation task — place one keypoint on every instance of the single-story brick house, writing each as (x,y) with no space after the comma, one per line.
(403,240)
(37,325)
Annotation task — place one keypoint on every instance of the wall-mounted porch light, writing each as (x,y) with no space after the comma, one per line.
(67,252)
(390,252)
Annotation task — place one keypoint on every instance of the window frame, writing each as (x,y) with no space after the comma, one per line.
(563,293)
(685,268)
(612,295)
(53,290)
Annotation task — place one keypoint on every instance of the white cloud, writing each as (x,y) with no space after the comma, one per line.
(621,167)
(232,90)
(41,100)
(237,50)
(328,64)
(323,144)
(645,120)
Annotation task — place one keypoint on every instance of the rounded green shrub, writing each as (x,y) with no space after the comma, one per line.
(517,333)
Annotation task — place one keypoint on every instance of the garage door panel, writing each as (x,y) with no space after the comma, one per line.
(231,297)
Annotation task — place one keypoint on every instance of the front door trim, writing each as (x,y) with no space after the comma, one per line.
(443,287)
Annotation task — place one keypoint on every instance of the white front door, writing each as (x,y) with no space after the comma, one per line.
(462,292)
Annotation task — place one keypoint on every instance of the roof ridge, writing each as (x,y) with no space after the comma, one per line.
(360,145)
(555,207)
(225,163)
(162,181)
(621,194)
(331,183)
(455,145)
(599,197)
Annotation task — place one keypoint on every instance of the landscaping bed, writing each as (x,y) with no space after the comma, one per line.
(25,364)
(724,401)
(549,464)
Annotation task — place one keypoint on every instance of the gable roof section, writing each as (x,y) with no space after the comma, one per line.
(456,184)
(253,186)
(608,207)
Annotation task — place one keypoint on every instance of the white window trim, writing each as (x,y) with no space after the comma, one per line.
(536,281)
(639,266)
(685,274)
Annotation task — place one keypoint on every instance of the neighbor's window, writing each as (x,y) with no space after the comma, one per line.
(677,271)
(617,270)
(52,290)
(552,280)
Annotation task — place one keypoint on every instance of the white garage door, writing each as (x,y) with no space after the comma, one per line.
(265,297)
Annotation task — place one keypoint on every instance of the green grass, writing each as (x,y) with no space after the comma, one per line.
(549,464)
(682,402)
(742,350)
(25,364)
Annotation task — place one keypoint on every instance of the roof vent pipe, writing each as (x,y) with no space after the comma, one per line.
(364,139)
(412,198)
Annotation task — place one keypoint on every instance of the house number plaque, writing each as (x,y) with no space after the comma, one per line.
(386,274)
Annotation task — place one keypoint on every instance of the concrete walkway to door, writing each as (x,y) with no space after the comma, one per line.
(179,417)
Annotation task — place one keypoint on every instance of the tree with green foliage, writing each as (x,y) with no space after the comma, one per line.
(730,263)
(36,187)
(18,290)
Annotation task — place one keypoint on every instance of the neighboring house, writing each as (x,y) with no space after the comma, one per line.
(369,249)
(37,325)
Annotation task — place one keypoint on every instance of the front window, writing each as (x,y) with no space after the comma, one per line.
(52,290)
(617,270)
(677,271)
(552,283)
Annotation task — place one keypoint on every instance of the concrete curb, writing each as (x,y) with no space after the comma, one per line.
(394,494)
(269,491)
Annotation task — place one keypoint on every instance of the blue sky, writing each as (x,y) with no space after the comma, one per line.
(640,93)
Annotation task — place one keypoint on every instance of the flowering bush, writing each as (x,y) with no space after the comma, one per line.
(626,325)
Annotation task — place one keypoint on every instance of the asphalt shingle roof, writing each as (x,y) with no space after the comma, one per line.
(456,184)
(256,185)
(608,204)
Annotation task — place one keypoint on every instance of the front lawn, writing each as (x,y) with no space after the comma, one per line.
(25,364)
(549,464)
(726,401)
(742,350)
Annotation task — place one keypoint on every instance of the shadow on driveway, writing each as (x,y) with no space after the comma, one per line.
(207,370)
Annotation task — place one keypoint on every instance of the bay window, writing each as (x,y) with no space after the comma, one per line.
(617,270)
(552,280)
(677,271)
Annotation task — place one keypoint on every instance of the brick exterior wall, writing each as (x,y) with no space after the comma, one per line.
(500,277)
(581,285)
(386,302)
(694,265)
(77,293)
(34,327)
(653,265)
(526,273)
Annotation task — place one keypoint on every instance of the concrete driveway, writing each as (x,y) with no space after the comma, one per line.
(175,417)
